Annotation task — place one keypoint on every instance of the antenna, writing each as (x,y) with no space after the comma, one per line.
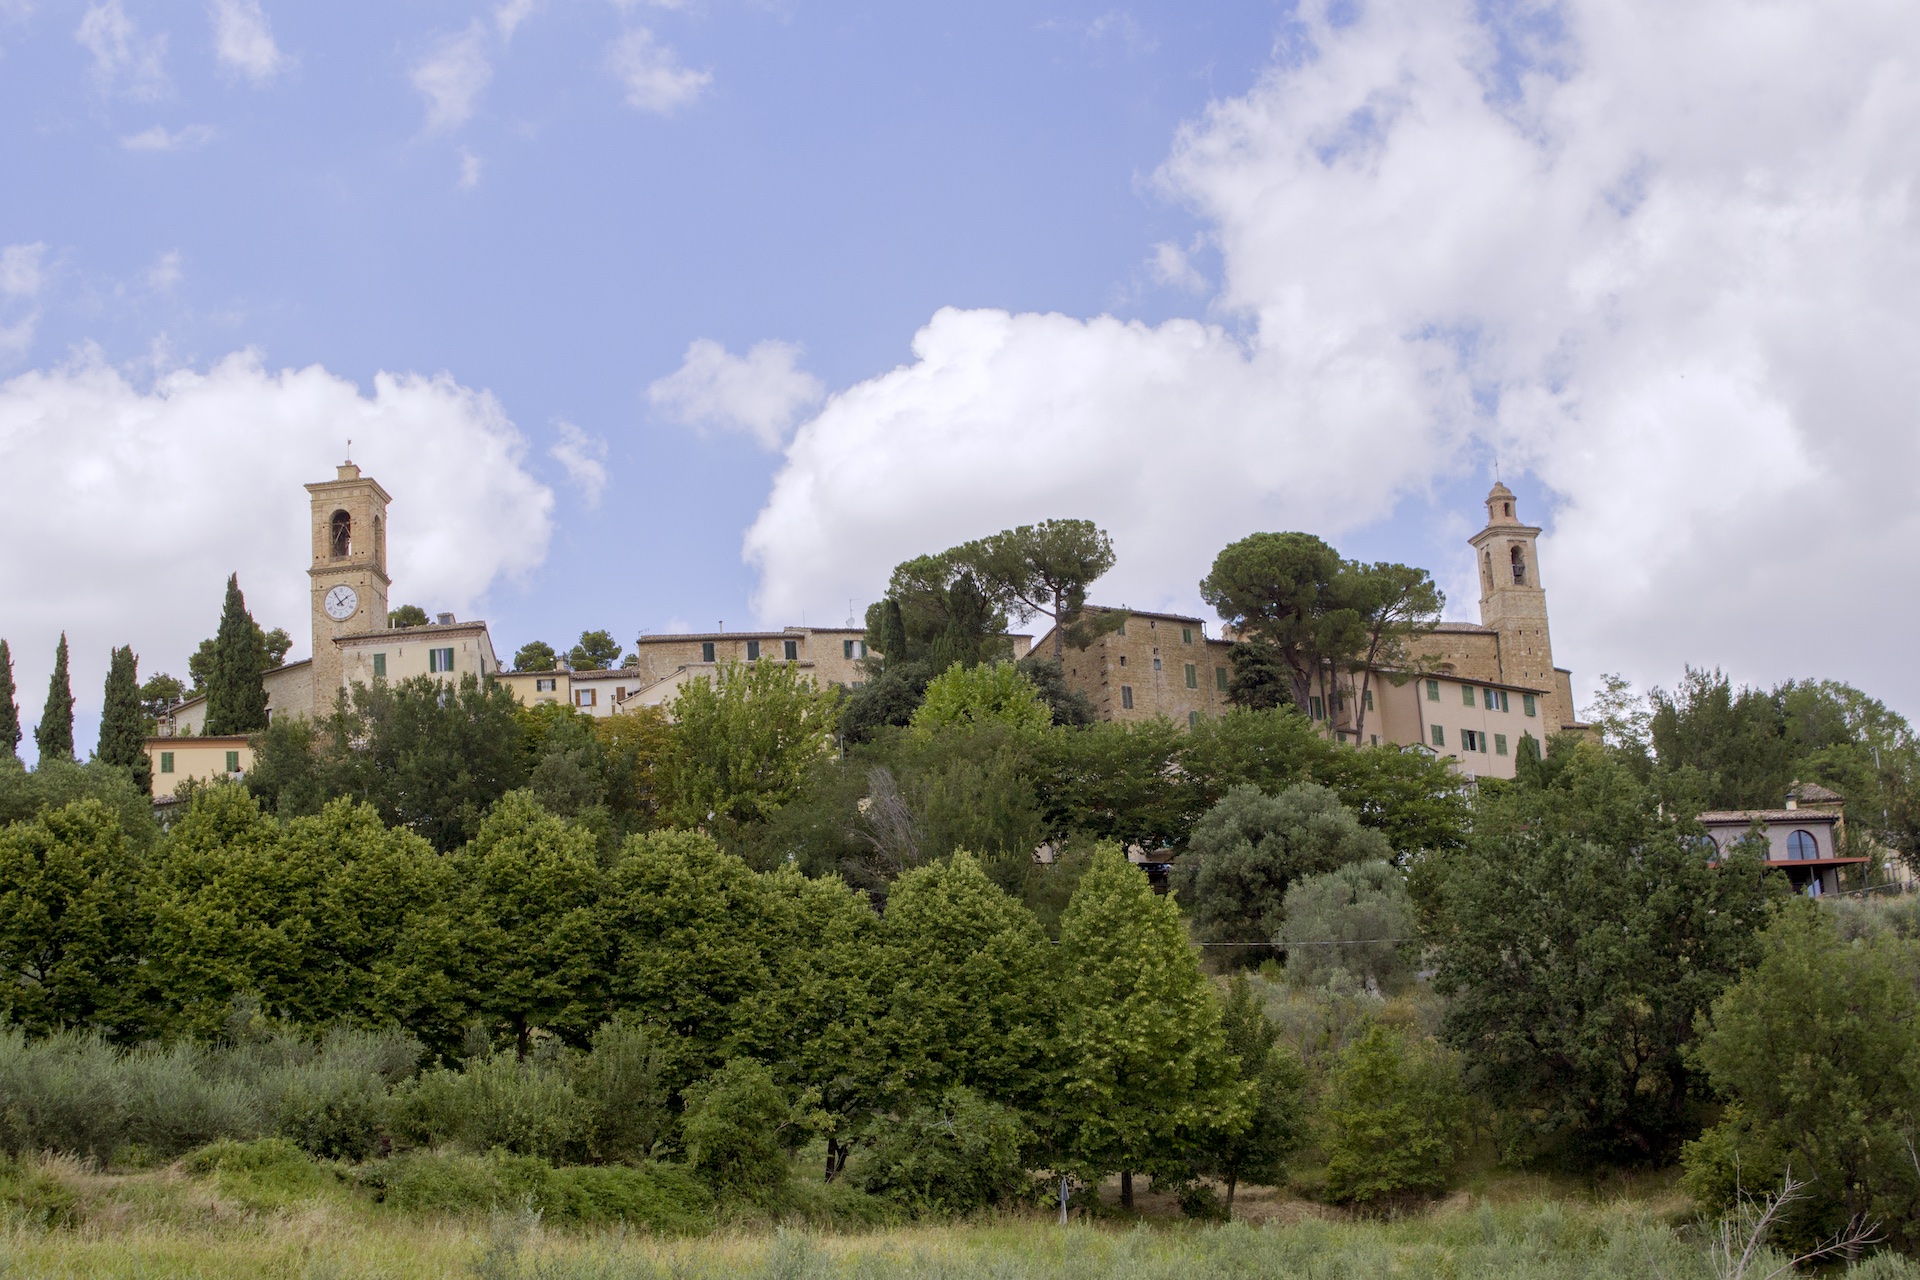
(349,449)
(1496,468)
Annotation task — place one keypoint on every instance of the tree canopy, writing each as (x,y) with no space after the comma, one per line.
(595,651)
(1045,570)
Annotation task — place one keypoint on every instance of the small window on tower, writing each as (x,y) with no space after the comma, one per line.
(342,534)
(1519,566)
(706,651)
(1126,696)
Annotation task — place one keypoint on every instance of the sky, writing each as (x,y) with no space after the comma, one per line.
(678,315)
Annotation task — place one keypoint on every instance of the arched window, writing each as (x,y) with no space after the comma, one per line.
(1801,845)
(1506,508)
(342,533)
(1519,565)
(1709,847)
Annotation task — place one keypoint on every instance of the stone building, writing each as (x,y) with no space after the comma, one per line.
(1806,839)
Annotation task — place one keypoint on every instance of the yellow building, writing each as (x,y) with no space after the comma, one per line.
(178,760)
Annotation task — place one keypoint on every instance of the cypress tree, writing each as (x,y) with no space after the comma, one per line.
(54,734)
(123,725)
(9,709)
(236,698)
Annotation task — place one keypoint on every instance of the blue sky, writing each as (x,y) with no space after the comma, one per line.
(1188,270)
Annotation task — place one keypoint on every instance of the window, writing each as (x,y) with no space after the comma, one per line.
(1433,691)
(166,762)
(1193,676)
(545,684)
(1471,741)
(791,649)
(1220,679)
(1801,846)
(1709,847)
(1314,707)
(753,651)
(1123,628)
(1526,704)
(1519,565)
(233,762)
(846,649)
(1503,701)
(1375,739)
(1193,719)
(439,660)
(706,651)
(1499,744)
(1466,694)
(860,648)
(1156,664)
(585,697)
(379,665)
(1123,659)
(340,534)
(1439,736)
(1186,635)
(1126,696)
(1368,699)
(1492,700)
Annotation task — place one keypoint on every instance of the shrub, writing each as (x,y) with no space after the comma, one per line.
(989,693)
(625,1084)
(737,1127)
(1353,920)
(495,1101)
(264,1174)
(659,1197)
(423,1182)
(30,1194)
(960,1154)
(1393,1118)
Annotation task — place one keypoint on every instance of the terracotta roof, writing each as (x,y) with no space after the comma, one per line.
(403,633)
(190,739)
(1745,817)
(1814,793)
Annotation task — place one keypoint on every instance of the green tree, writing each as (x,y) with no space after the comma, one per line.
(743,741)
(1260,680)
(889,697)
(9,708)
(408,615)
(274,645)
(739,1126)
(1397,605)
(939,610)
(1251,848)
(993,692)
(535,655)
(54,734)
(1274,1125)
(596,651)
(1580,932)
(1069,707)
(955,1153)
(1288,591)
(1393,1119)
(1045,570)
(1356,920)
(1146,1071)
(72,928)
(158,696)
(529,920)
(236,698)
(1817,1050)
(56,783)
(123,726)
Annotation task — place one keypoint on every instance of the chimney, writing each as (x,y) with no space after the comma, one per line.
(444,619)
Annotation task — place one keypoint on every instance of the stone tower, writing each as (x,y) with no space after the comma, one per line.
(1513,602)
(349,571)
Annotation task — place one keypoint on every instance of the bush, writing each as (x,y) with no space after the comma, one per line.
(990,693)
(659,1197)
(496,1101)
(1393,1119)
(1354,920)
(28,1193)
(962,1154)
(738,1126)
(265,1174)
(625,1085)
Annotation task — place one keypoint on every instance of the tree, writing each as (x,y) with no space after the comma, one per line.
(597,651)
(123,726)
(988,693)
(1260,681)
(158,697)
(1393,1118)
(1251,848)
(1274,1125)
(1068,707)
(1356,920)
(743,741)
(274,645)
(535,655)
(952,1154)
(1145,1068)
(54,734)
(408,615)
(1580,932)
(1397,604)
(1817,1051)
(739,1126)
(939,610)
(236,698)
(1045,569)
(1287,591)
(71,923)
(9,709)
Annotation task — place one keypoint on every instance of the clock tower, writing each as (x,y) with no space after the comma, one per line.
(349,573)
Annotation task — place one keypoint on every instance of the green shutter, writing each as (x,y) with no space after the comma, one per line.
(233,762)
(166,762)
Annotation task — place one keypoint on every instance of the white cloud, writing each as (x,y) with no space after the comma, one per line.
(470,166)
(1171,266)
(20,269)
(165,272)
(21,277)
(159,138)
(243,40)
(123,60)
(452,77)
(585,459)
(508,15)
(652,73)
(155,495)
(760,393)
(1671,271)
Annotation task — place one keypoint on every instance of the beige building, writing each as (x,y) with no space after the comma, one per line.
(178,760)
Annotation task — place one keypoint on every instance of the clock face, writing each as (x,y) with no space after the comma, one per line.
(341,602)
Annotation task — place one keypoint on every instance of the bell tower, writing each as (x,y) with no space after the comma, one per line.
(1513,602)
(349,573)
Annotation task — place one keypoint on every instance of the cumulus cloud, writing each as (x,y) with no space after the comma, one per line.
(470,167)
(165,271)
(1171,266)
(1663,259)
(124,61)
(243,40)
(654,79)
(760,393)
(156,494)
(21,275)
(584,459)
(452,76)
(20,269)
(160,138)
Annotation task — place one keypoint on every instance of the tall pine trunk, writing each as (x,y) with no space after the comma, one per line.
(1126,1189)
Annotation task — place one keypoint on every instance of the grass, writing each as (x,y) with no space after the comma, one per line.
(245,1210)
